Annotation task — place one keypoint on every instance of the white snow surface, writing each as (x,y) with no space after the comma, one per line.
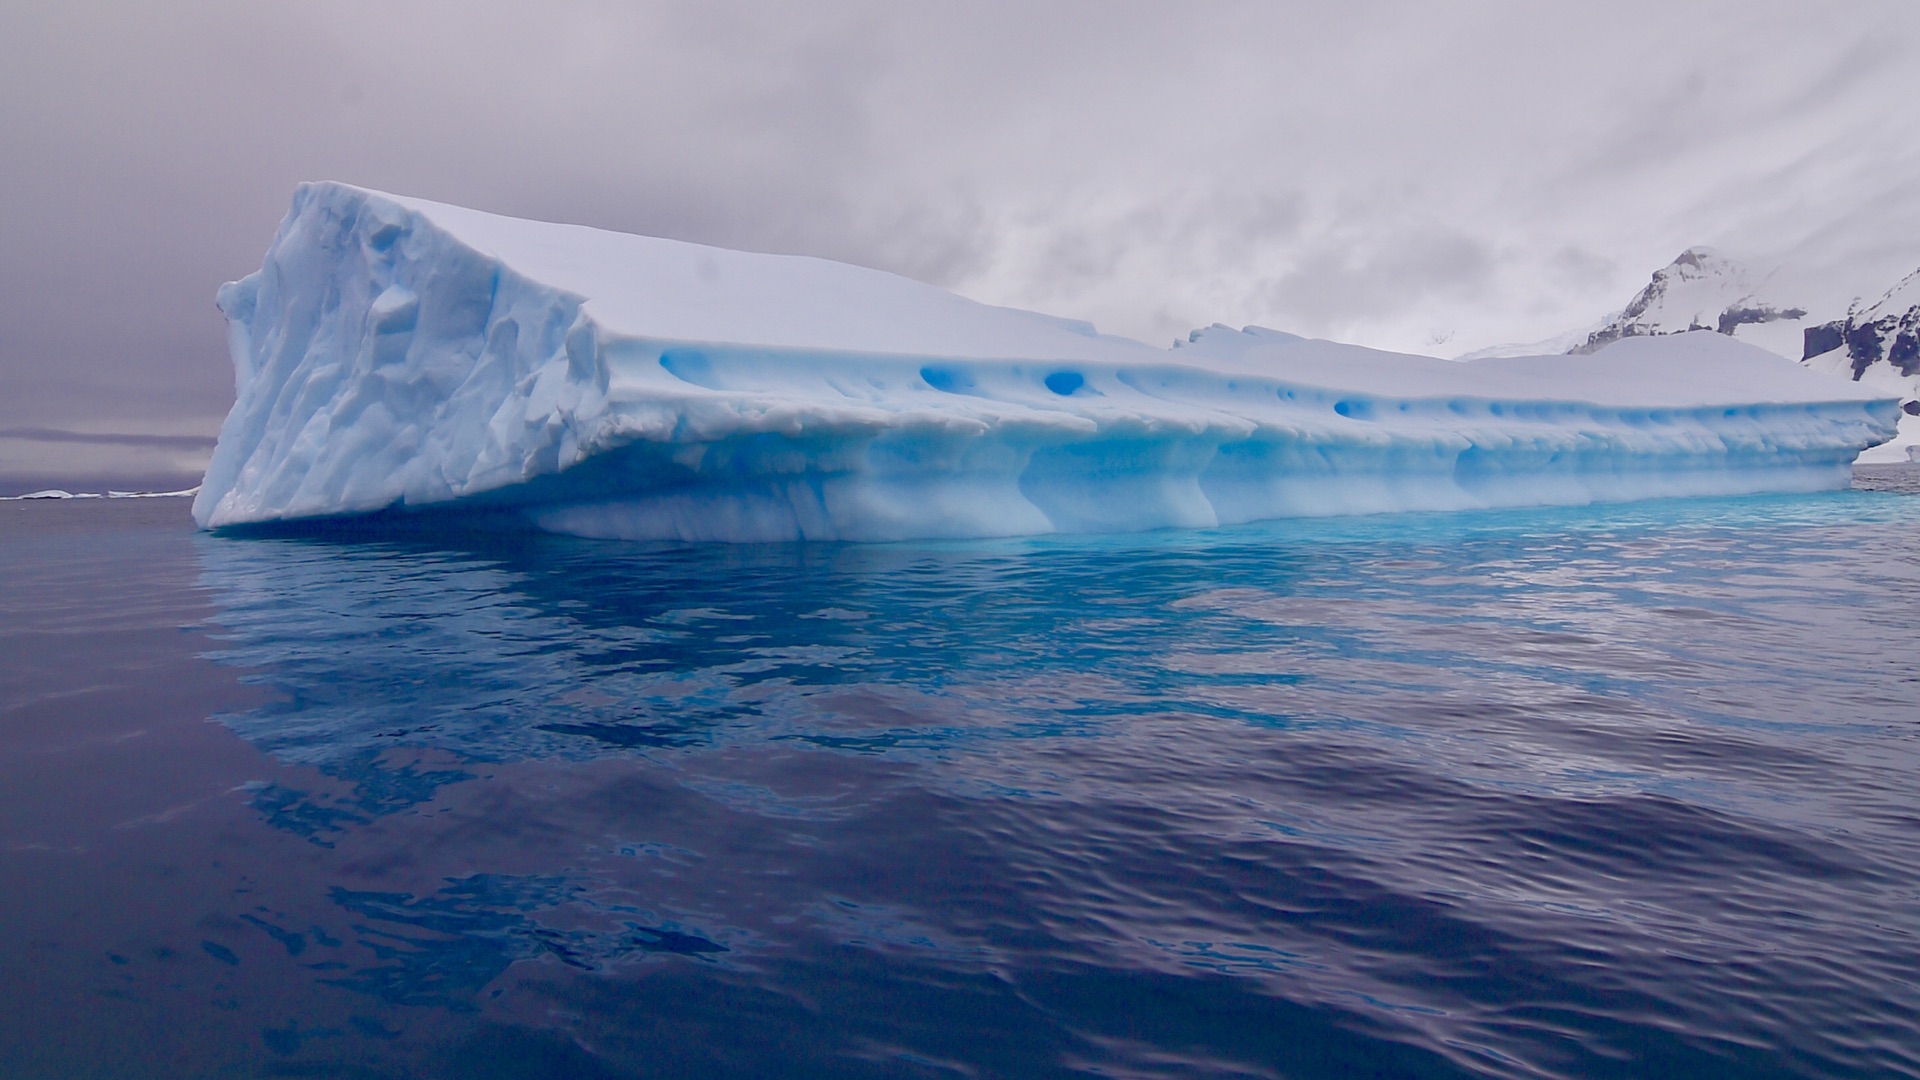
(394,353)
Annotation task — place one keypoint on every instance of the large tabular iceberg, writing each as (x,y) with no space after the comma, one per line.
(400,354)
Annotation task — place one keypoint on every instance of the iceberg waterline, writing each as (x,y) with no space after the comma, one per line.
(393,352)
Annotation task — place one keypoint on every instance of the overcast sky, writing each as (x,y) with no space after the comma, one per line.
(1422,176)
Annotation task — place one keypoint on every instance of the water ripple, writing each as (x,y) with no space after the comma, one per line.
(1616,792)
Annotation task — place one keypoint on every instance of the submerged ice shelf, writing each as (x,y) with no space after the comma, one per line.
(396,353)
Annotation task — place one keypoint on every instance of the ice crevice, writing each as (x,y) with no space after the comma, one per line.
(393,353)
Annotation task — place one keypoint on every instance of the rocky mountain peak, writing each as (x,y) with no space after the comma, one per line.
(1701,289)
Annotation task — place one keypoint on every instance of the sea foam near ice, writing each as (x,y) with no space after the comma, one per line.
(396,353)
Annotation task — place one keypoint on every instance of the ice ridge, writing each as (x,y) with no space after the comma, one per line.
(393,353)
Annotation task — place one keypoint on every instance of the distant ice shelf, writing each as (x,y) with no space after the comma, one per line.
(61,493)
(397,354)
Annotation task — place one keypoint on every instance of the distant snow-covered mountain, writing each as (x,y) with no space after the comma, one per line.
(1704,290)
(1780,311)
(1557,345)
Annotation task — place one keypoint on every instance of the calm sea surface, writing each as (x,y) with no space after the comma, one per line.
(1630,791)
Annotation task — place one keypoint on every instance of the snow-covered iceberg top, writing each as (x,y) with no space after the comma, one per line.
(397,353)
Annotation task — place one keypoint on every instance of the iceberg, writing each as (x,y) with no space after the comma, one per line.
(399,356)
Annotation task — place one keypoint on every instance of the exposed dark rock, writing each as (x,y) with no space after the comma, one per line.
(1905,353)
(1823,338)
(1889,330)
(1863,345)
(1742,315)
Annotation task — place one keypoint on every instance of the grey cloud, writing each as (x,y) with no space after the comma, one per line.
(1341,284)
(1576,268)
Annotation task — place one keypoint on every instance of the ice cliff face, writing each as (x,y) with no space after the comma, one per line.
(396,354)
(379,361)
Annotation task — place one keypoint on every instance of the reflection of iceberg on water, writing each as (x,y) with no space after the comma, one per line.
(400,353)
(397,671)
(370,647)
(525,647)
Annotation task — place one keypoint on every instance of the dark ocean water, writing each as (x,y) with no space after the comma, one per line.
(1629,791)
